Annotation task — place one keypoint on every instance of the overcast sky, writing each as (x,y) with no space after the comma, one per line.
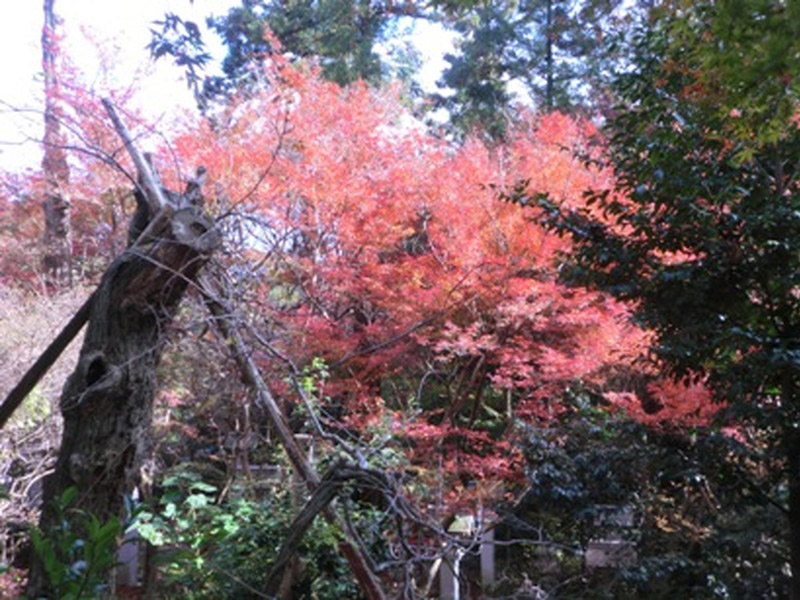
(124,27)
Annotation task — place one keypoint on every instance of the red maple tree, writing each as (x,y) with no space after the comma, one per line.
(384,251)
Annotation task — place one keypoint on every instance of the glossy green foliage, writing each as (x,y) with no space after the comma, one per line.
(698,508)
(749,62)
(701,231)
(79,553)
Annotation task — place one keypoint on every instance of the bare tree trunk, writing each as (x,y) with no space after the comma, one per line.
(791,448)
(549,76)
(107,402)
(57,238)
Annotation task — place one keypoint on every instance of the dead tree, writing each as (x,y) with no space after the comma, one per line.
(107,402)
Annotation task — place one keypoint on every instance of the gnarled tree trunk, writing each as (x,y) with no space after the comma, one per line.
(107,402)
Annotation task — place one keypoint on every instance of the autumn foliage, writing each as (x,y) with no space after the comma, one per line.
(365,243)
(384,251)
(99,189)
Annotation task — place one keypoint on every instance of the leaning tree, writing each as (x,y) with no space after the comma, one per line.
(107,402)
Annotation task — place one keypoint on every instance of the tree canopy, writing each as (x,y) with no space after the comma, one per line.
(339,351)
(699,229)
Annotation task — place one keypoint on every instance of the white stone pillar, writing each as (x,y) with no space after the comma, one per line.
(128,559)
(449,585)
(487,559)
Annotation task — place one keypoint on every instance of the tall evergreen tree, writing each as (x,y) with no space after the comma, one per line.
(701,232)
(557,51)
(342,35)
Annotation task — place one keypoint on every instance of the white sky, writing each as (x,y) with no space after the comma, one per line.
(125,27)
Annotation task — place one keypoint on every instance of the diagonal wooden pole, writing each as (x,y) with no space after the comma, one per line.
(155,196)
(359,563)
(46,359)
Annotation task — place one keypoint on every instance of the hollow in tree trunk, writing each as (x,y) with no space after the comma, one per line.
(107,401)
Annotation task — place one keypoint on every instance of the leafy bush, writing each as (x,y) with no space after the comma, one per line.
(218,550)
(706,524)
(78,554)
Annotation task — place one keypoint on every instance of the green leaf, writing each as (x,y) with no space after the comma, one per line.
(68,497)
(201,486)
(196,501)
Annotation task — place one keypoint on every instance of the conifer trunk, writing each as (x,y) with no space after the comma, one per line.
(791,439)
(550,76)
(57,238)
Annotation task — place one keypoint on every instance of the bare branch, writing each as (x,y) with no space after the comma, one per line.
(153,191)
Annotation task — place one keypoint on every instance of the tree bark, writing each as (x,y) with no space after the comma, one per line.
(550,76)
(322,496)
(324,493)
(107,402)
(791,440)
(57,238)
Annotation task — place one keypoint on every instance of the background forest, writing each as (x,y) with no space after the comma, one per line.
(352,339)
